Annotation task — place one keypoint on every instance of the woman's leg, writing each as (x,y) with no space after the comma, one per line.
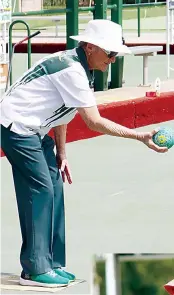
(58,246)
(34,193)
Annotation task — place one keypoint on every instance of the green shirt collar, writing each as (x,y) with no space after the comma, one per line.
(83,60)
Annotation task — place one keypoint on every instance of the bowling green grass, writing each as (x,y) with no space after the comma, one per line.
(128,13)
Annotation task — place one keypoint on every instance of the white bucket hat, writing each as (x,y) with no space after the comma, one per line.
(104,34)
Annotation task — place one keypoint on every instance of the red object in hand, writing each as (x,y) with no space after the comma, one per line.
(170,287)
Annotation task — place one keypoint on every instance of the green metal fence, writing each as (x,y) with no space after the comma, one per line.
(137,5)
(11,46)
(140,5)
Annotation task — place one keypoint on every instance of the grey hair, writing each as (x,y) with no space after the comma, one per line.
(82,44)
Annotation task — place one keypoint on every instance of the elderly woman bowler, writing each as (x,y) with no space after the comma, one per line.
(48,96)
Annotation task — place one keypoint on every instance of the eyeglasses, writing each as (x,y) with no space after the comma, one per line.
(110,54)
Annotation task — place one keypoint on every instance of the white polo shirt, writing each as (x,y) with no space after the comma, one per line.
(48,94)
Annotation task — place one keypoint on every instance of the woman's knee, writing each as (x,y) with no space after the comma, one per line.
(45,189)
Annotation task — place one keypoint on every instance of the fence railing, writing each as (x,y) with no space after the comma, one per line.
(11,45)
(137,5)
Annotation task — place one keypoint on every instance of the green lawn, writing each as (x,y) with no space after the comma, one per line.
(128,13)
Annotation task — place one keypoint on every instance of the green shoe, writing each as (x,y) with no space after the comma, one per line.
(50,279)
(59,271)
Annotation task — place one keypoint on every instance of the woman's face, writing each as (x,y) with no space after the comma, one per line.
(97,58)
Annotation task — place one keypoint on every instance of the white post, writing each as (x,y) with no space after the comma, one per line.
(5,19)
(172,21)
(168,38)
(14,6)
(170,32)
(113,277)
(4,38)
(110,275)
(145,70)
(90,4)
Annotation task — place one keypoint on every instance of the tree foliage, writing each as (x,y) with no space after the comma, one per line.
(146,277)
(141,277)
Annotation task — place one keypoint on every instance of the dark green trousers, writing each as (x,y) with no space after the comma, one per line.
(40,200)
